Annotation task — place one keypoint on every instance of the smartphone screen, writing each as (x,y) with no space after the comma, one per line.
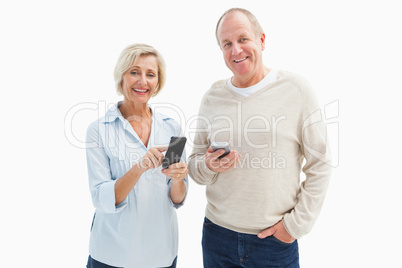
(174,151)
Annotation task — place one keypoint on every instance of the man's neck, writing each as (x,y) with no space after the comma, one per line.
(243,82)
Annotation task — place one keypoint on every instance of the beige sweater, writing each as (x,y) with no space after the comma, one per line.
(274,130)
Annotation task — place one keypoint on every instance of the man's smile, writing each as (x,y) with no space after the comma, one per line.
(240,60)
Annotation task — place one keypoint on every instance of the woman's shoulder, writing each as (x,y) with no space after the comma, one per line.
(168,123)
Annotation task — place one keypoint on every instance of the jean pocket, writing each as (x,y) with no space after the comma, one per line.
(281,242)
(210,224)
(207,221)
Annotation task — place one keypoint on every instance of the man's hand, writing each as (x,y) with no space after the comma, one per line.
(221,165)
(278,231)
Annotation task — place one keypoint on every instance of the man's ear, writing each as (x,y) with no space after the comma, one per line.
(262,39)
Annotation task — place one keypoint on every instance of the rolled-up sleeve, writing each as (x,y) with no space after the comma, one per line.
(101,182)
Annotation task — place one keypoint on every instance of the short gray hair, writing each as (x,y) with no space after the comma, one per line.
(254,22)
(127,59)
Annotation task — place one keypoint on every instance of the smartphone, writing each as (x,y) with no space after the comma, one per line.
(221,145)
(174,151)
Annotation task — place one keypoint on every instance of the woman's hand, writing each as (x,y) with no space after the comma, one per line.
(152,159)
(176,172)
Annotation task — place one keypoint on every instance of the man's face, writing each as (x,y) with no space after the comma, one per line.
(242,50)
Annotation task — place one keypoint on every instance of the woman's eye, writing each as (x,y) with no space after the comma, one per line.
(134,72)
(151,75)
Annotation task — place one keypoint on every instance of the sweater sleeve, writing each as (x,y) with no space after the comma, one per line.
(317,168)
(198,170)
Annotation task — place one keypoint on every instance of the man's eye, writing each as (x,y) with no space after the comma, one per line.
(243,39)
(226,44)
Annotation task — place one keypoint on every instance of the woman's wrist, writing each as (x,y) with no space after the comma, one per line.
(138,169)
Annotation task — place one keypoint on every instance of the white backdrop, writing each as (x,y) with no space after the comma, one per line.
(58,57)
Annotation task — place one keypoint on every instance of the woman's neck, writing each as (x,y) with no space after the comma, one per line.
(131,110)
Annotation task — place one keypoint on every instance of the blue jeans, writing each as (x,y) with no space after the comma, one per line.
(223,248)
(92,263)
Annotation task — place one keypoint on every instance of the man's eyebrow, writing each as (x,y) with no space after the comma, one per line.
(244,35)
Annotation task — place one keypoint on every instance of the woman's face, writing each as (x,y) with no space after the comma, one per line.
(140,80)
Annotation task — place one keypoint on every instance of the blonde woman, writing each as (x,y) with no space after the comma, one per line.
(135,222)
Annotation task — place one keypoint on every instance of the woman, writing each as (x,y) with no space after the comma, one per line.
(135,223)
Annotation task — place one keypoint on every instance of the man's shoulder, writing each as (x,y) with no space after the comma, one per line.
(215,88)
(215,93)
(294,79)
(219,84)
(290,76)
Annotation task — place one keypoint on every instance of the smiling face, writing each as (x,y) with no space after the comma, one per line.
(242,50)
(140,81)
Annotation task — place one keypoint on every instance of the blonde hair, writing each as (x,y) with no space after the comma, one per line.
(254,22)
(127,59)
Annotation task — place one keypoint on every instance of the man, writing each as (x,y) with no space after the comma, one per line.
(257,207)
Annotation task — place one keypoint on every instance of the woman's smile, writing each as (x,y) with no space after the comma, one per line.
(140,90)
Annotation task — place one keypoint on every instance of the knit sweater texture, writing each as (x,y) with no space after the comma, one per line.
(279,132)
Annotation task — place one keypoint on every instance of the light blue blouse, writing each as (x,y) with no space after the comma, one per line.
(142,230)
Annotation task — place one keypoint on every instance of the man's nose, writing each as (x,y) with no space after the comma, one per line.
(236,49)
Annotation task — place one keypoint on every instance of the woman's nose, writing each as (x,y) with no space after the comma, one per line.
(142,80)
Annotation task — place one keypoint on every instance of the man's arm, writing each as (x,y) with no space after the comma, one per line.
(203,164)
(315,149)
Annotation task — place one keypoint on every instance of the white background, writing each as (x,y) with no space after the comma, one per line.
(56,55)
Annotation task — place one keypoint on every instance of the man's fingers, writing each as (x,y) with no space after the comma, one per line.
(225,163)
(267,232)
(215,154)
(227,160)
(230,160)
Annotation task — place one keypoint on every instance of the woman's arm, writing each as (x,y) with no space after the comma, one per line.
(177,191)
(124,184)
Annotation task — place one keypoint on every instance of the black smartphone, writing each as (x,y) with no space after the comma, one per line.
(174,151)
(221,145)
